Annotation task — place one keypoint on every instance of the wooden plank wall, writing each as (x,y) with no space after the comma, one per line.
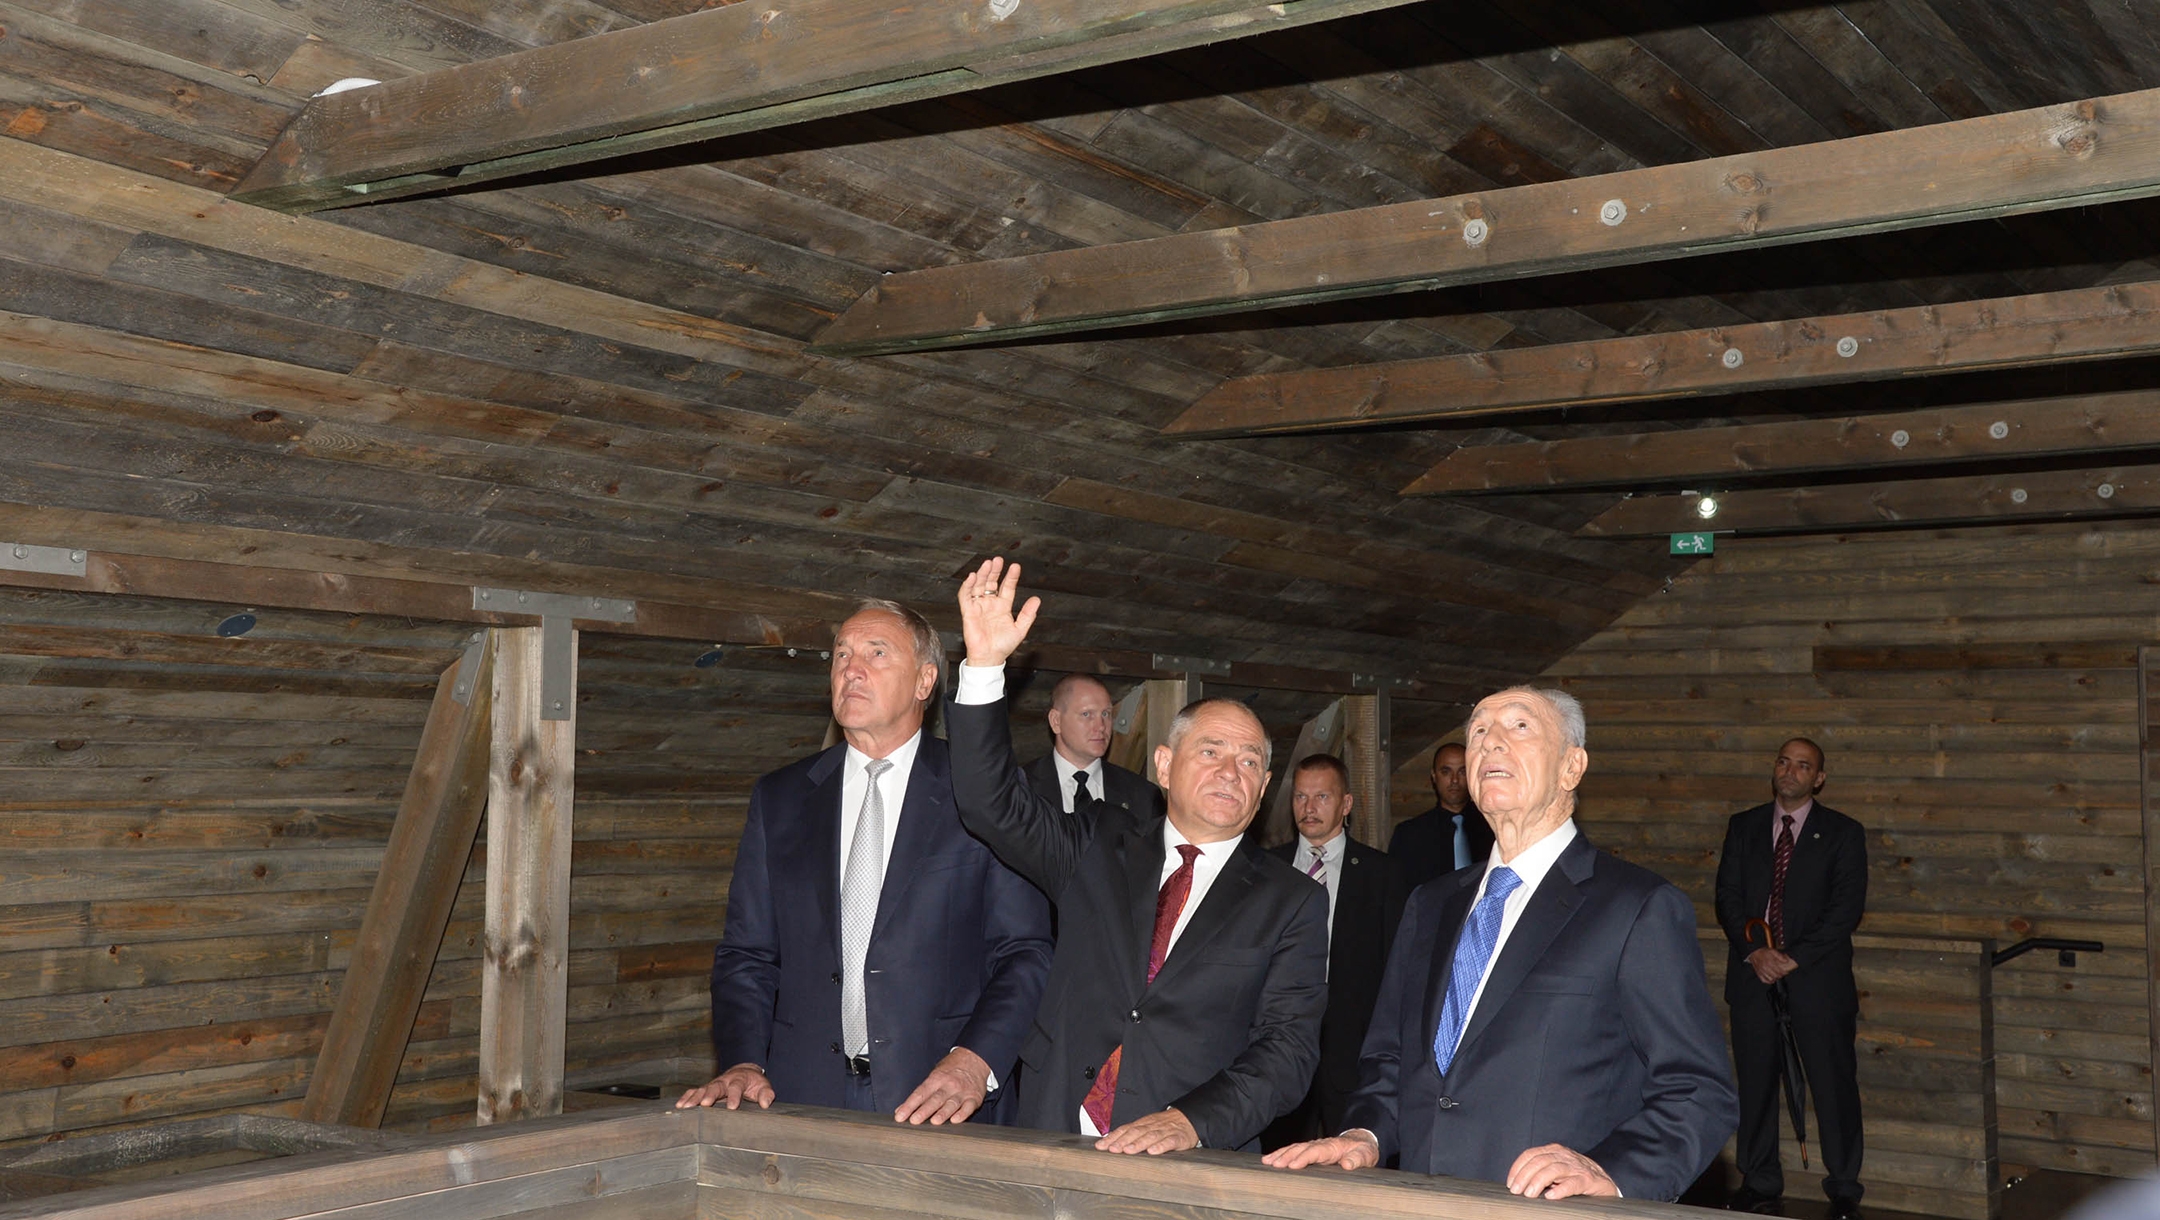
(193,824)
(1927,1078)
(1976,693)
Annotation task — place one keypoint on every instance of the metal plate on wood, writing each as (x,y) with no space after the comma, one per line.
(1191,665)
(52,560)
(549,605)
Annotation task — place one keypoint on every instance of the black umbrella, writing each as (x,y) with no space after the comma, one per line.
(1792,1074)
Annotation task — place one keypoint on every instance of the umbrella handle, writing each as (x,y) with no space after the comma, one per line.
(1747,934)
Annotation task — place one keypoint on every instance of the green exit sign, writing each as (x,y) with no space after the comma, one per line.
(1694,544)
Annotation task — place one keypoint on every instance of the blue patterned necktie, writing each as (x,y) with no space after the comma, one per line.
(1473,950)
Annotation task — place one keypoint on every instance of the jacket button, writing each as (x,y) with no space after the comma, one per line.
(836,976)
(1448,1103)
(1087,1073)
(1133,1015)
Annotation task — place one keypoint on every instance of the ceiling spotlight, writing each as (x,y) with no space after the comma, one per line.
(1706,507)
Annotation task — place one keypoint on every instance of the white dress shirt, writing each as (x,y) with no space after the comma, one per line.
(1531,864)
(892,786)
(1066,771)
(1330,874)
(979,684)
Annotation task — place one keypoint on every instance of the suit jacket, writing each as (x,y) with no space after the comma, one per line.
(958,954)
(1229,1030)
(1120,787)
(1825,894)
(1368,906)
(1424,846)
(1595,1030)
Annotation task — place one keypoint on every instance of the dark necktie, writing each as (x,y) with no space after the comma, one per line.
(1779,861)
(1169,902)
(1082,798)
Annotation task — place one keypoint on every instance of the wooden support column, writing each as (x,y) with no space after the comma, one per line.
(524,978)
(410,906)
(2148,689)
(1165,698)
(1128,737)
(1323,734)
(1366,753)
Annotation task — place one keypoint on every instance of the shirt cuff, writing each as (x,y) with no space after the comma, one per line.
(979,684)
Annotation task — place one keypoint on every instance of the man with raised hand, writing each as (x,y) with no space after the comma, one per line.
(1185,996)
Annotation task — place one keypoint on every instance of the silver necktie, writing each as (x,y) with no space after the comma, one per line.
(859,888)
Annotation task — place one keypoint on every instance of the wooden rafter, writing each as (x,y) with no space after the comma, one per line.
(1994,165)
(2008,332)
(2086,423)
(717,72)
(2048,495)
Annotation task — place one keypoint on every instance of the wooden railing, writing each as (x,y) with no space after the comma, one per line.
(657,1163)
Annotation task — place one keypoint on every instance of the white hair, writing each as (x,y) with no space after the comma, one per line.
(1574,728)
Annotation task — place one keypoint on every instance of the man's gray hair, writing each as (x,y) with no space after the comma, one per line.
(1574,728)
(1186,715)
(928,647)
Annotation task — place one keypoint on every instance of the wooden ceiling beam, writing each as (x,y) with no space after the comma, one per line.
(717,72)
(2007,332)
(1976,499)
(1995,165)
(2085,423)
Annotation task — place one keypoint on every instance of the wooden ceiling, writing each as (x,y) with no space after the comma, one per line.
(597,379)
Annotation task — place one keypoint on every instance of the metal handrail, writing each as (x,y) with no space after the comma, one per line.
(2066,950)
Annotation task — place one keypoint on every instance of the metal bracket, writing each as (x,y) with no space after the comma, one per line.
(468,671)
(51,560)
(1378,681)
(1191,665)
(558,652)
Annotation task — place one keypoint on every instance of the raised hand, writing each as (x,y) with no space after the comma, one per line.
(988,625)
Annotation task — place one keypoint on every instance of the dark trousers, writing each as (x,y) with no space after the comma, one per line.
(1827,1054)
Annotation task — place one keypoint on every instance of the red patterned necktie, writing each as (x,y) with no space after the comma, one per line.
(1779,860)
(1169,903)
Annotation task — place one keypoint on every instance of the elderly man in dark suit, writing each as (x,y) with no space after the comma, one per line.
(1544,1020)
(1800,866)
(1450,835)
(1365,902)
(876,956)
(1074,774)
(1184,1000)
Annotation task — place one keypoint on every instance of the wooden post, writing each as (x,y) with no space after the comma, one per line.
(1323,734)
(2149,801)
(409,908)
(524,977)
(1128,740)
(1165,698)
(1365,751)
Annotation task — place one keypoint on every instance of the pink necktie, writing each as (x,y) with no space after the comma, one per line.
(1318,862)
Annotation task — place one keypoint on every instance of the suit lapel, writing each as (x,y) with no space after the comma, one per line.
(918,829)
(1550,908)
(1141,854)
(1238,875)
(1454,909)
(821,845)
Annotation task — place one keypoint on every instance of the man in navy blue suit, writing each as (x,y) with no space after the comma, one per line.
(1544,1019)
(876,956)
